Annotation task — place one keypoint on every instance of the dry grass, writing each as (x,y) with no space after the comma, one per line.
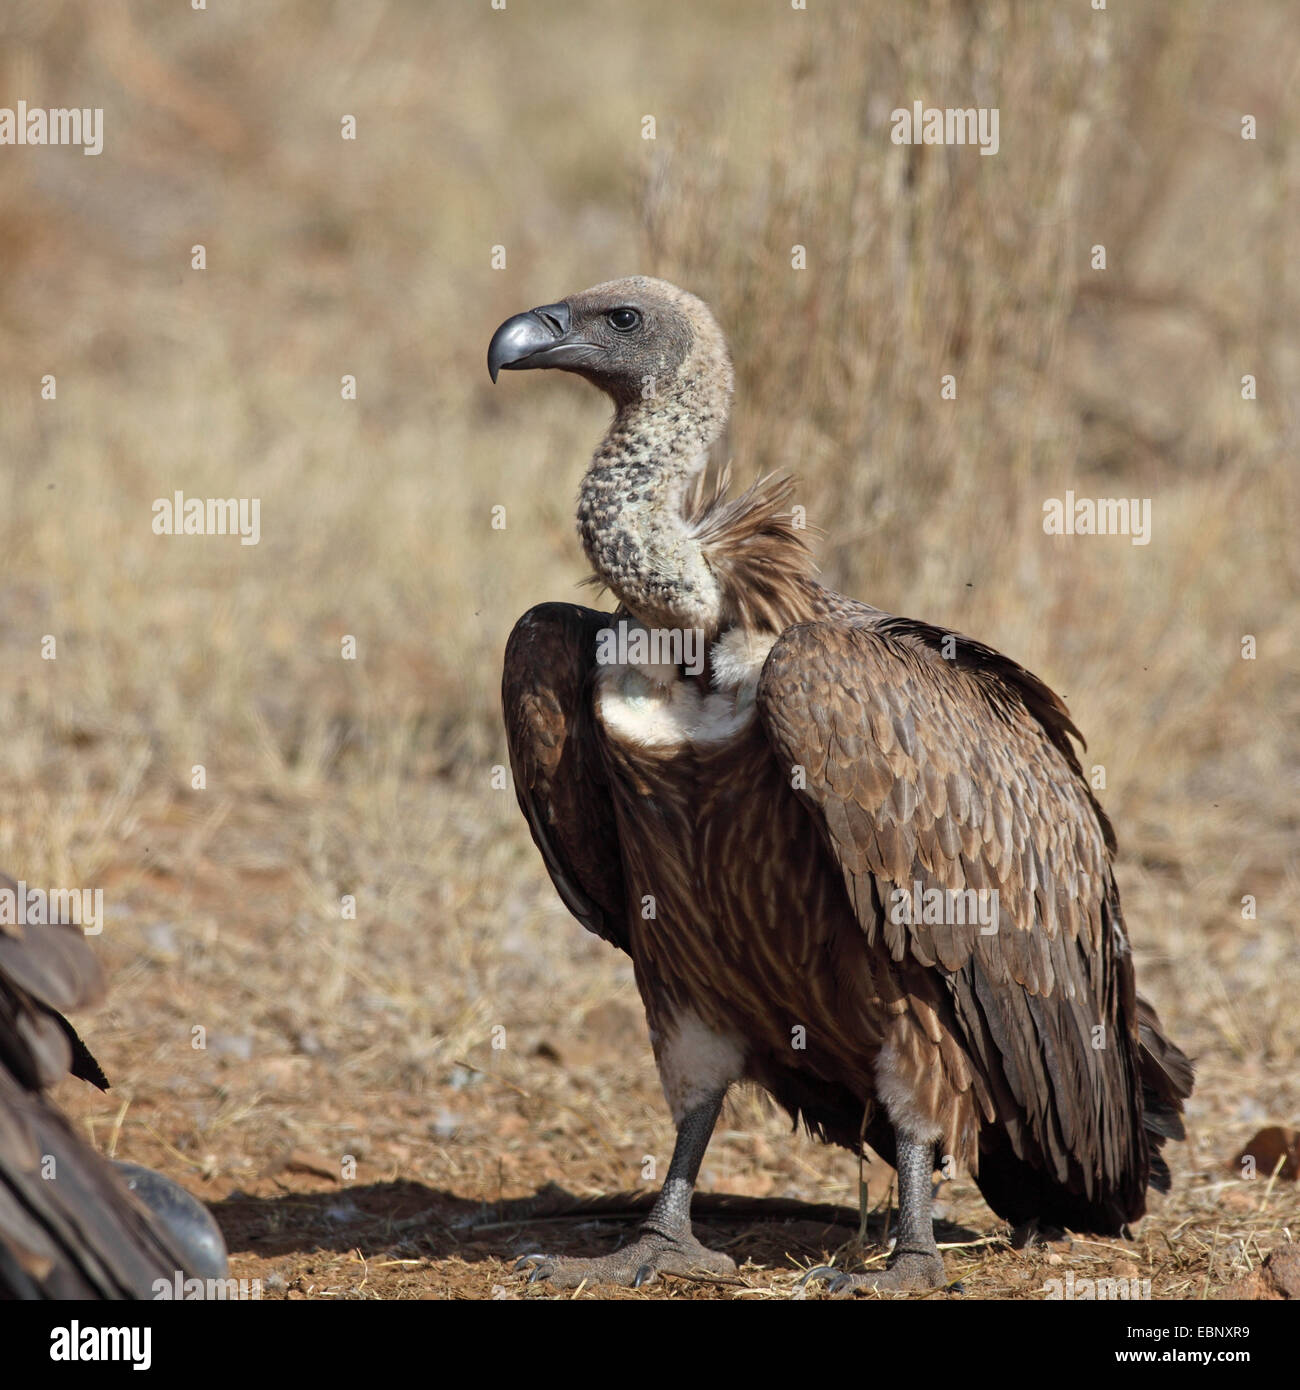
(327,777)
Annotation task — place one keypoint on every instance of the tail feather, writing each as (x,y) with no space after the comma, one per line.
(1166,1074)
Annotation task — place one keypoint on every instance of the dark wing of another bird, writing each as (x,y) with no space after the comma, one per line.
(555,761)
(959,773)
(68,1226)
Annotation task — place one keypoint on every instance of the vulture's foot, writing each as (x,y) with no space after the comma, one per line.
(634,1265)
(910,1271)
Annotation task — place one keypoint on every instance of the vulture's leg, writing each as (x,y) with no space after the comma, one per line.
(916,1263)
(666,1244)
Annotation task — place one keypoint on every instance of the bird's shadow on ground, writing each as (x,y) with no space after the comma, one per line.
(416,1221)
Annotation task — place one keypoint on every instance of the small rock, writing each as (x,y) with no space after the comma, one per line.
(1268,1147)
(1277,1278)
(1283,1268)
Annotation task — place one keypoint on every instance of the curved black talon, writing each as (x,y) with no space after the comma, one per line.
(643,1276)
(828,1272)
(538,1264)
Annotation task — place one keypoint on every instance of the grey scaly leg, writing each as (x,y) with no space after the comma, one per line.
(666,1244)
(915,1198)
(916,1263)
(670,1217)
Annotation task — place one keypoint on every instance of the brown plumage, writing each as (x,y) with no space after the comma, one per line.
(69,1228)
(853,857)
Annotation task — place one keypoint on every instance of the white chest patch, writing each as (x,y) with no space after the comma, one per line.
(652,705)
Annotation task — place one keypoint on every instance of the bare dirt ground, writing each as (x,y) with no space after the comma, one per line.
(398,1104)
(358,1135)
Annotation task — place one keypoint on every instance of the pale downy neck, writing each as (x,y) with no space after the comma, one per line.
(632,500)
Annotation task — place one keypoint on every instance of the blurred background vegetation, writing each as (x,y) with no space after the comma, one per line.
(522,128)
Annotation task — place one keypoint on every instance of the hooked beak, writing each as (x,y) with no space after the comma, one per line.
(539,338)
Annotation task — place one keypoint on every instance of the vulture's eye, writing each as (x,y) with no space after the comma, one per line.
(624,320)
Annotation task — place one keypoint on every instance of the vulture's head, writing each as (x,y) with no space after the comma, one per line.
(637,339)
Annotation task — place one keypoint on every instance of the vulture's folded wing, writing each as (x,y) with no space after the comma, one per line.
(931,762)
(555,761)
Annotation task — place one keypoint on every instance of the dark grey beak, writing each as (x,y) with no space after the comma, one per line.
(539,338)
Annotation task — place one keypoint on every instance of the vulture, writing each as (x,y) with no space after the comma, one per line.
(72,1224)
(853,856)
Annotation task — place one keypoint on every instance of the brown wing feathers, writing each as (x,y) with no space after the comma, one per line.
(958,775)
(558,776)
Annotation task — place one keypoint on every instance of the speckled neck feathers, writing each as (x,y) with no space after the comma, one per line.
(631,508)
(675,559)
